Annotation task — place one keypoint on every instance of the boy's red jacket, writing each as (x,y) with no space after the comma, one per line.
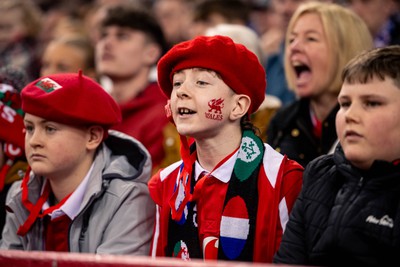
(279,184)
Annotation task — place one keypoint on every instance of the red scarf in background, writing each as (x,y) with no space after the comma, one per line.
(12,134)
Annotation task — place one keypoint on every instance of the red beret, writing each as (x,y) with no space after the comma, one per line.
(70,98)
(239,68)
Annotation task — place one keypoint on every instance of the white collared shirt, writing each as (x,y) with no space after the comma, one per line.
(73,203)
(222,173)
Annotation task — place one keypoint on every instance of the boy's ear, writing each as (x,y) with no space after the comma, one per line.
(152,53)
(242,106)
(96,134)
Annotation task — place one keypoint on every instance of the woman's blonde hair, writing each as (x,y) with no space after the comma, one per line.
(346,33)
(31,14)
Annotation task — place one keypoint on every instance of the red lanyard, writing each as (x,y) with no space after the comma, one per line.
(317,129)
(182,194)
(35,209)
(3,172)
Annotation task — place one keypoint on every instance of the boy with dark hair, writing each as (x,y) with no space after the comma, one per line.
(130,45)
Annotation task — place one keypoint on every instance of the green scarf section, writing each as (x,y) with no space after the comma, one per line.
(250,155)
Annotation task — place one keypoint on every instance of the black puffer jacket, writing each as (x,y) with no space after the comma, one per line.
(290,132)
(344,217)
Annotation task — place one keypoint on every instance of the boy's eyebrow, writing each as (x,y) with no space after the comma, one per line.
(362,96)
(42,121)
(377,96)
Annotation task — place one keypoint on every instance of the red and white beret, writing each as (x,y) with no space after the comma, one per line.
(70,98)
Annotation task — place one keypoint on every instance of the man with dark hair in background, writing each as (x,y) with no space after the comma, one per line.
(131,42)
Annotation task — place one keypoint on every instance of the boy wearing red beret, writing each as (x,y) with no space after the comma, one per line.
(230,196)
(86,190)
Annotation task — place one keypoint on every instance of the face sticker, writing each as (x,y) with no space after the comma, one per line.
(215,109)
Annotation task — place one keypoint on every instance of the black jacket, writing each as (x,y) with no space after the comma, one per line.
(394,31)
(343,216)
(290,132)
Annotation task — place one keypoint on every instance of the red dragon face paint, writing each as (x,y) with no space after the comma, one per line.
(215,109)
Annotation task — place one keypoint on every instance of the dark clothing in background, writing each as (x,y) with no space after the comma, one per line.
(291,132)
(344,216)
